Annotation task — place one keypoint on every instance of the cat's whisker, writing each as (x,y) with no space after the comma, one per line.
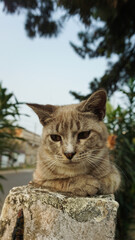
(91,150)
(92,164)
(96,163)
(98,167)
(78,131)
(51,165)
(88,153)
(50,168)
(99,160)
(95,166)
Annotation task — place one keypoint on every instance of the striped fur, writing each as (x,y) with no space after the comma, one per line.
(89,171)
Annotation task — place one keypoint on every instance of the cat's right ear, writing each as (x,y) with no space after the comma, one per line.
(96,104)
(44,112)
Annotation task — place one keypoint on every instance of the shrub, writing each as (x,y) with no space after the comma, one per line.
(121,124)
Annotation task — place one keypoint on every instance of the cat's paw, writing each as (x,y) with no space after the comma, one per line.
(86,186)
(92,186)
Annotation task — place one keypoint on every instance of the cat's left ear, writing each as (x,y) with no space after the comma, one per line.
(96,104)
(44,112)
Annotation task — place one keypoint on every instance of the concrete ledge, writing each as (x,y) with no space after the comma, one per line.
(52,216)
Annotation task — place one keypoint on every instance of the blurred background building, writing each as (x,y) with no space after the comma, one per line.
(25,150)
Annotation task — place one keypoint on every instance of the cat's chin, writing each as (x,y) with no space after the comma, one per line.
(72,163)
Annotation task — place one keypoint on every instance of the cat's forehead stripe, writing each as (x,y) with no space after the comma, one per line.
(78,124)
(71,124)
(67,125)
(57,127)
(67,122)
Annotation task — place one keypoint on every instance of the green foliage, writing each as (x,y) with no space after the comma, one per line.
(109,24)
(39,16)
(9,114)
(121,123)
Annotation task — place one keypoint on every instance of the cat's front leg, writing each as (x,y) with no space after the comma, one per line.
(111,182)
(83,185)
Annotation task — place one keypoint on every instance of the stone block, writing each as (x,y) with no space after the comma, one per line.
(36,213)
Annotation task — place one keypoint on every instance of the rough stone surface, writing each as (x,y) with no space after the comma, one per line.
(52,216)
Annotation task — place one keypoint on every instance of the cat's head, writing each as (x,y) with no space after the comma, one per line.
(75,132)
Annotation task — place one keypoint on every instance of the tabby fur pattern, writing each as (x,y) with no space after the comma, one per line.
(73,157)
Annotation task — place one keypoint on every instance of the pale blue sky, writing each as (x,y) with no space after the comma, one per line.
(42,70)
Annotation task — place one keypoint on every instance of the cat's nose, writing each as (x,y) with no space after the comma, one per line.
(69,155)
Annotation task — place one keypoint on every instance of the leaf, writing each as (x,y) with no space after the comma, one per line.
(9,113)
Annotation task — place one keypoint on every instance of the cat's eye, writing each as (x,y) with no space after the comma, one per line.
(55,137)
(83,135)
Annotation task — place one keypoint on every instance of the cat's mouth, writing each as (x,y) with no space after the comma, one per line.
(71,163)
